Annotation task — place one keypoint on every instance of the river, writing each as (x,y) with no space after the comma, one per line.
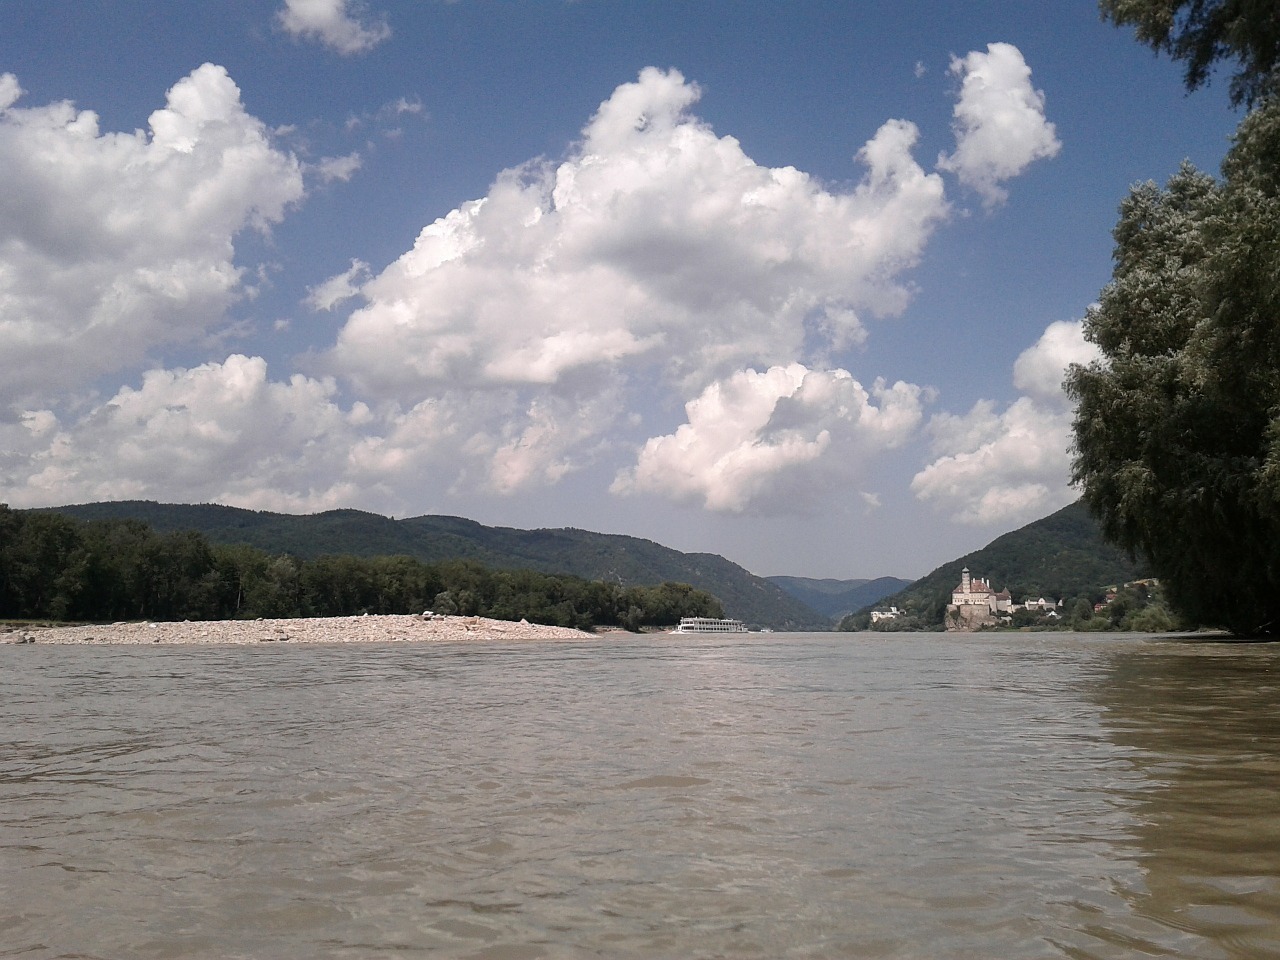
(765,796)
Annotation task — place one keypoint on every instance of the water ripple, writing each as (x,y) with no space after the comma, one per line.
(783,796)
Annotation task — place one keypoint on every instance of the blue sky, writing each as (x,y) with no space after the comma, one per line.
(790,282)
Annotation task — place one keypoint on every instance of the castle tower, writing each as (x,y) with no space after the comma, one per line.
(964,580)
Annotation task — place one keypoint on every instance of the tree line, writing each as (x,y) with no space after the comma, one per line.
(1177,426)
(53,567)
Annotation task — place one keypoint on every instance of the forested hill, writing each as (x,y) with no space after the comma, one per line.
(1061,556)
(593,556)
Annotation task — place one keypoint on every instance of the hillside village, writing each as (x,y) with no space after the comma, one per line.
(975,605)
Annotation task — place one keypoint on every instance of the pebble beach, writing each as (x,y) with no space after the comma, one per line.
(413,628)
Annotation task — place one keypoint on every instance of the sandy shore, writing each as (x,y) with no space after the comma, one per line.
(388,629)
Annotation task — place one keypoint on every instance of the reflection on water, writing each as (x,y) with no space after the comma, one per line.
(1202,722)
(780,796)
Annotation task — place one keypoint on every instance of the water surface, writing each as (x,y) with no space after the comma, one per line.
(786,795)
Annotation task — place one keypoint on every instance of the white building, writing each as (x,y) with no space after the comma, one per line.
(974,591)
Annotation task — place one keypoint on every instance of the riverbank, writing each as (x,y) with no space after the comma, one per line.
(413,628)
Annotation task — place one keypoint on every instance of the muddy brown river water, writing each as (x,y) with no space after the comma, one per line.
(766,796)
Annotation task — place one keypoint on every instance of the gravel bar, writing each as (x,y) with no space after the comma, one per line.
(413,628)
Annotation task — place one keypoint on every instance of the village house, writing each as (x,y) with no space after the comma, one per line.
(891,614)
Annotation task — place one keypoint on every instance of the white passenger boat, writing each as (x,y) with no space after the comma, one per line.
(709,625)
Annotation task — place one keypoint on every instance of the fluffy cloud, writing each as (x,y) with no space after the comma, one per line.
(1040,369)
(999,124)
(462,441)
(9,91)
(1003,467)
(226,432)
(656,259)
(334,23)
(341,168)
(339,288)
(746,437)
(521,338)
(656,243)
(219,432)
(1011,466)
(113,243)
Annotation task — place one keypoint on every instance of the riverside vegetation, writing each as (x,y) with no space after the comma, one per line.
(1177,428)
(589,556)
(53,567)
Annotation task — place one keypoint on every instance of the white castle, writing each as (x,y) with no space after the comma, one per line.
(974,591)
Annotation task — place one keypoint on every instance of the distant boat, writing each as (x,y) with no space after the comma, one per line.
(709,625)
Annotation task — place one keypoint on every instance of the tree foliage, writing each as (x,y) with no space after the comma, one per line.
(1177,429)
(1201,32)
(55,567)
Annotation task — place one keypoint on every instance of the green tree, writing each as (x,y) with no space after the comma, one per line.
(1202,32)
(1177,428)
(1027,618)
(1155,618)
(1081,613)
(34,552)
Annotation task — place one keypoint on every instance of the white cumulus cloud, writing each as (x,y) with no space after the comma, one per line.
(336,24)
(1000,126)
(114,243)
(656,241)
(1001,467)
(10,92)
(561,321)
(655,259)
(747,435)
(226,432)
(220,432)
(1040,369)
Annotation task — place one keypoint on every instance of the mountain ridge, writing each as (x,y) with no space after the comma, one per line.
(593,556)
